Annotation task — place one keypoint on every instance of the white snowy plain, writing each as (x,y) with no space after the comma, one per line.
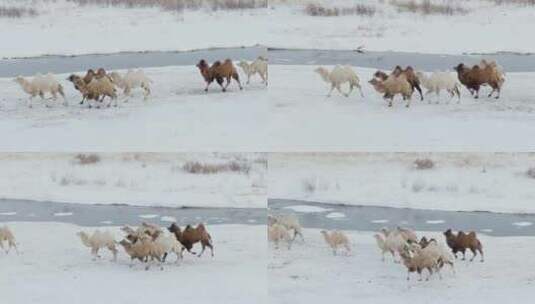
(142,179)
(179,116)
(55,267)
(56,30)
(309,273)
(495,182)
(487,28)
(64,28)
(302,118)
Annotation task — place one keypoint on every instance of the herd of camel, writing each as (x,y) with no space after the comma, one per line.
(405,82)
(97,85)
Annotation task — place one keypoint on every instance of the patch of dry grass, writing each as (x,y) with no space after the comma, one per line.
(195,167)
(309,186)
(318,10)
(423,164)
(179,5)
(87,159)
(513,2)
(17,12)
(427,7)
(531,172)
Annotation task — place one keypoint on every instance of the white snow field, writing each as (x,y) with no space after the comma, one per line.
(309,273)
(64,28)
(55,267)
(496,182)
(486,28)
(179,116)
(302,118)
(153,179)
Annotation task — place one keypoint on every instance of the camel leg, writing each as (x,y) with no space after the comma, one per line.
(409,101)
(482,255)
(350,90)
(94,253)
(301,236)
(491,92)
(147,92)
(220,83)
(189,250)
(427,93)
(393,253)
(14,245)
(42,95)
(113,251)
(452,268)
(429,273)
(204,245)
(54,96)
(227,84)
(203,248)
(30,100)
(127,92)
(360,90)
(264,80)
(237,78)
(474,254)
(331,90)
(339,89)
(419,91)
(65,102)
(452,95)
(60,90)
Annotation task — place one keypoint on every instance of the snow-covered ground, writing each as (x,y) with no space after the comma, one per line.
(64,28)
(459,181)
(152,179)
(309,273)
(486,28)
(302,118)
(56,268)
(61,28)
(179,116)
